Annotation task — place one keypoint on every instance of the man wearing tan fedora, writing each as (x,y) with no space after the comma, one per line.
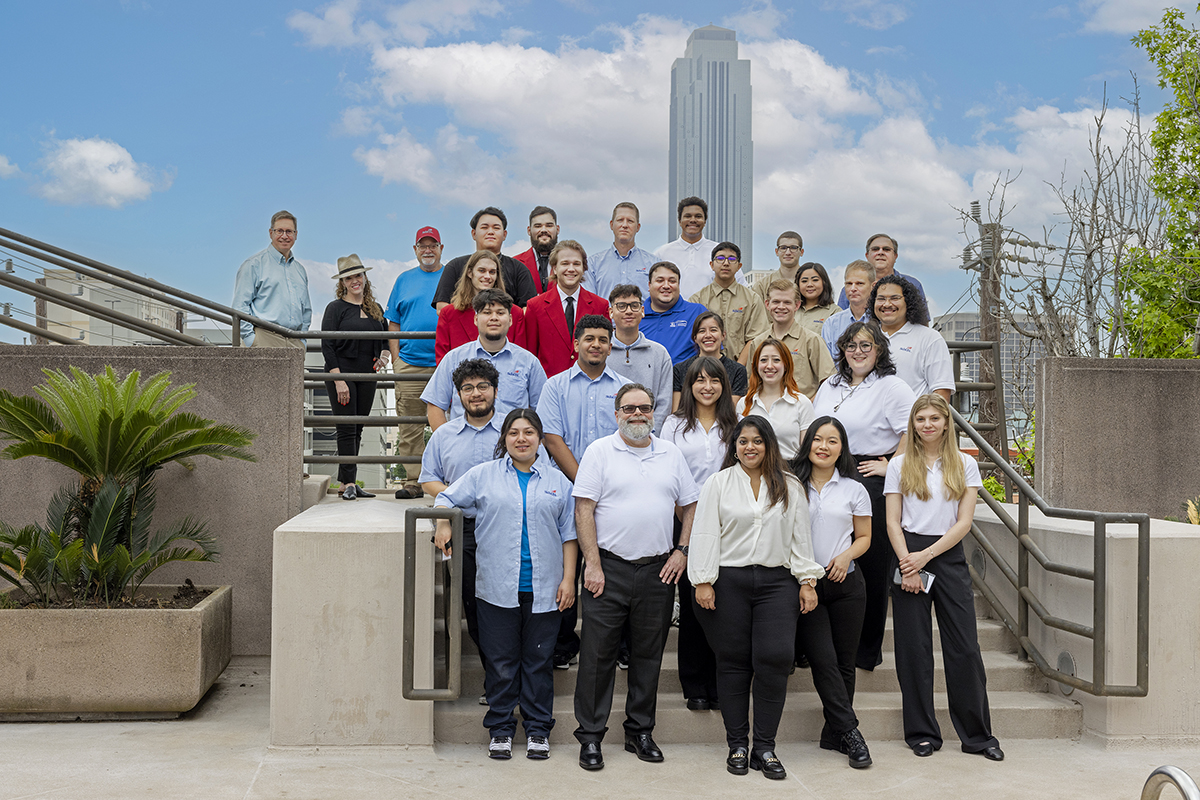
(273,286)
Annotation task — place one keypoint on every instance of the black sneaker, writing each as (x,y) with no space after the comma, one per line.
(563,662)
(855,748)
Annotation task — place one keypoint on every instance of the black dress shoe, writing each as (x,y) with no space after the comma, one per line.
(645,748)
(714,705)
(698,704)
(992,753)
(361,492)
(802,661)
(769,764)
(590,756)
(855,748)
(738,761)
(923,749)
(349,491)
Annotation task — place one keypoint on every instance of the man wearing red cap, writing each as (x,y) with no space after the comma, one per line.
(409,309)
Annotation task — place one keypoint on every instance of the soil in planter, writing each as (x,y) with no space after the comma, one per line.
(186,596)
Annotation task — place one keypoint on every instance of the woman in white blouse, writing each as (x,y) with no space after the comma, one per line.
(931,492)
(865,395)
(751,563)
(839,512)
(701,429)
(773,394)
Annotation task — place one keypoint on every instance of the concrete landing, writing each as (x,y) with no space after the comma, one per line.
(219,751)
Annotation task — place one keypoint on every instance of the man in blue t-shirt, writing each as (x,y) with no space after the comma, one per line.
(409,309)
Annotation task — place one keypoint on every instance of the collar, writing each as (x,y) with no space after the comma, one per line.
(837,380)
(787,397)
(280,258)
(641,341)
(479,348)
(510,467)
(575,370)
(620,444)
(562,296)
(907,327)
(676,306)
(463,424)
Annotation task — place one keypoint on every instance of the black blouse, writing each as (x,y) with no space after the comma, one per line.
(350,354)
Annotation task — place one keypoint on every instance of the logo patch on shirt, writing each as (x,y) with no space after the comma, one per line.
(552,491)
(737,310)
(683,323)
(516,373)
(905,349)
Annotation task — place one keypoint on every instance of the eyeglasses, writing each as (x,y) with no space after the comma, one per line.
(283,232)
(788,248)
(625,306)
(434,246)
(727,259)
(469,388)
(862,347)
(631,410)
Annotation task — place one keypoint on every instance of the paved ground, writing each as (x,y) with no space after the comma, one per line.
(220,751)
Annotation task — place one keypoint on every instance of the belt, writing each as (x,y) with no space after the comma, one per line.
(637,562)
(888,456)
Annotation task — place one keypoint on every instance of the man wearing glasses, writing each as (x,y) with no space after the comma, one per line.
(789,247)
(273,286)
(629,486)
(882,252)
(634,355)
(744,315)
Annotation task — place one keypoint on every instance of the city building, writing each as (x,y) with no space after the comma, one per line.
(80,325)
(711,150)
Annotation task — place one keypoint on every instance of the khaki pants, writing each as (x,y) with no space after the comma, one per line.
(266,338)
(410,439)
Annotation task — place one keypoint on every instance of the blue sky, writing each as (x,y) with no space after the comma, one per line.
(160,137)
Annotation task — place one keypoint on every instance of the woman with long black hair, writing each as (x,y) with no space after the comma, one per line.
(752,568)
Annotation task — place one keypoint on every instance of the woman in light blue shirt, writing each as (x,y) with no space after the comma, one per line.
(526,553)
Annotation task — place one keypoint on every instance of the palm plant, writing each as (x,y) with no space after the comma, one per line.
(97,542)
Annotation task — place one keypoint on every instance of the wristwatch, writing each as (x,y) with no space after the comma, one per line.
(809,582)
(683,548)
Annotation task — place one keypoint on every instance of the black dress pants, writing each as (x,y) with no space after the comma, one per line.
(756,611)
(633,594)
(697,663)
(469,601)
(829,635)
(876,566)
(349,437)
(966,683)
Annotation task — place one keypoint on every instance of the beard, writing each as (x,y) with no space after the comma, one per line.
(635,431)
(544,248)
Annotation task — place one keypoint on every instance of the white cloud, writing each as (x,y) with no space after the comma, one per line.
(334,28)
(757,20)
(874,14)
(8,169)
(414,22)
(1123,16)
(96,172)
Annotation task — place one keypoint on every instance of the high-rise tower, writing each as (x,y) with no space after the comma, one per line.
(712,154)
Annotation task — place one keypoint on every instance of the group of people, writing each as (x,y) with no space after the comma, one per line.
(785,462)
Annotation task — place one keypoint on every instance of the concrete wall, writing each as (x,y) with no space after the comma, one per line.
(1118,434)
(1170,714)
(242,502)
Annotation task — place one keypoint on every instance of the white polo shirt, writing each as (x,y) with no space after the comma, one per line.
(935,516)
(831,513)
(636,490)
(874,413)
(703,450)
(789,416)
(922,358)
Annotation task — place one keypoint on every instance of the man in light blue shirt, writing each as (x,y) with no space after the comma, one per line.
(882,252)
(409,308)
(624,262)
(273,286)
(521,374)
(860,277)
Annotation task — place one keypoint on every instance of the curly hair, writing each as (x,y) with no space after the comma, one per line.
(915,309)
(369,304)
(883,353)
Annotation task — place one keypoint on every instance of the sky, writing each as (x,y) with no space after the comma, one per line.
(160,137)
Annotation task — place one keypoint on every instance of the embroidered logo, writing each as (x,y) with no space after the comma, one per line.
(552,491)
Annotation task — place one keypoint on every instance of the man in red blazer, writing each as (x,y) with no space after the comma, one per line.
(543,236)
(550,317)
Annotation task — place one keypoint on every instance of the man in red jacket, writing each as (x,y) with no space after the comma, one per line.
(550,317)
(543,236)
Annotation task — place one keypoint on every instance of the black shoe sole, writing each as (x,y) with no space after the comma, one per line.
(629,748)
(775,776)
(861,764)
(592,767)
(742,770)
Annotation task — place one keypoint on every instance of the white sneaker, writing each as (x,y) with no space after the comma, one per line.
(500,747)
(483,700)
(537,747)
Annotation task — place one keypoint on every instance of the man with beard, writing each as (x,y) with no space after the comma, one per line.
(521,374)
(454,448)
(543,236)
(489,229)
(574,411)
(628,488)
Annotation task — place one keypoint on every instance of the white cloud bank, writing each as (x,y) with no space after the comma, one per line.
(96,172)
(8,169)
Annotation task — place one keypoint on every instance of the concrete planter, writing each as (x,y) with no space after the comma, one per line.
(113,663)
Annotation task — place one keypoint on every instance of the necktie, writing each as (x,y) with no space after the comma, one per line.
(543,263)
(570,312)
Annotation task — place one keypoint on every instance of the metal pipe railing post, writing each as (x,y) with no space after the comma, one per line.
(1099,604)
(453,621)
(1022,574)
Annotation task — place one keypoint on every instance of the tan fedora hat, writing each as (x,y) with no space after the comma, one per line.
(350,265)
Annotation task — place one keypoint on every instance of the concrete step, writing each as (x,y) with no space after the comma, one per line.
(1004,674)
(1015,715)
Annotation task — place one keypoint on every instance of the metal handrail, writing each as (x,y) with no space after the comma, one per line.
(1098,575)
(453,626)
(1174,776)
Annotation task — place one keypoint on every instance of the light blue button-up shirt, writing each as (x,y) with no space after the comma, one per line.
(274,288)
(493,493)
(456,447)
(580,409)
(836,325)
(521,379)
(608,269)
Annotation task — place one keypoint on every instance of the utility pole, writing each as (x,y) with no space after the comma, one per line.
(989,327)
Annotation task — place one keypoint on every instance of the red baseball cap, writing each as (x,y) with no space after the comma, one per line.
(429,232)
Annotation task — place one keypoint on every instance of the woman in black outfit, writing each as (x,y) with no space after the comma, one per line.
(354,309)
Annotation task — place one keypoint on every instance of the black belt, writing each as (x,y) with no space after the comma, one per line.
(888,456)
(637,562)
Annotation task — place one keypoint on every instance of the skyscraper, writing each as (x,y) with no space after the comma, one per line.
(712,155)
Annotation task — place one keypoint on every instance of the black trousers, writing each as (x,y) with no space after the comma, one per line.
(876,566)
(349,437)
(829,635)
(469,601)
(633,594)
(754,606)
(519,647)
(566,645)
(697,662)
(966,683)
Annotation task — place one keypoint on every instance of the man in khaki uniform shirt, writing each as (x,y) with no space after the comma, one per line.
(811,362)
(789,247)
(744,316)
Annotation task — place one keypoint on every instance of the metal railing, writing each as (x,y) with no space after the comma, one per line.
(1170,776)
(454,614)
